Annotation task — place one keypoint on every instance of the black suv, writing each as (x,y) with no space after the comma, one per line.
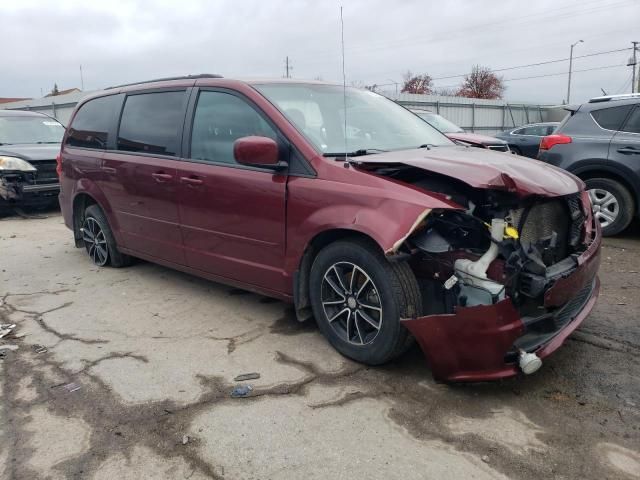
(599,142)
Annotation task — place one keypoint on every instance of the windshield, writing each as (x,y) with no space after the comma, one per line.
(18,129)
(441,123)
(374,123)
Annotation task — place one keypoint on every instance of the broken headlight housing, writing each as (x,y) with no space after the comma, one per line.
(15,164)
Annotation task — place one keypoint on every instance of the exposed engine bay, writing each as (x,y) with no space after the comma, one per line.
(496,246)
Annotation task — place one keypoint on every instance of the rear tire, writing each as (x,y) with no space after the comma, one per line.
(99,240)
(516,150)
(379,293)
(613,204)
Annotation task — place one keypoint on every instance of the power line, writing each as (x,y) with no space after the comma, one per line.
(563,73)
(495,70)
(547,62)
(530,77)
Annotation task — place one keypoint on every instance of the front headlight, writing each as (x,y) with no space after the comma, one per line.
(15,163)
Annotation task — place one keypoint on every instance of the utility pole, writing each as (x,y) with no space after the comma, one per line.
(633,64)
(287,68)
(570,68)
(81,79)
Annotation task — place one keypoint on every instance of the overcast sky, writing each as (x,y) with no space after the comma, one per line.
(45,42)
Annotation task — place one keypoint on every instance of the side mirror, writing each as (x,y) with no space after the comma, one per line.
(256,151)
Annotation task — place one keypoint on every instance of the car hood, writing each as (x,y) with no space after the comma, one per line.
(485,169)
(475,138)
(31,152)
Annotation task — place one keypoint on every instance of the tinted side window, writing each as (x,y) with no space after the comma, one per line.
(151,123)
(219,120)
(519,131)
(90,126)
(538,131)
(633,123)
(611,118)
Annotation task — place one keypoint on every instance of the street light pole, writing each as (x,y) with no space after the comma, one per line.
(570,67)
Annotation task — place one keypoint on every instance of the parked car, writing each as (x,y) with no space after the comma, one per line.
(29,143)
(599,142)
(457,134)
(525,140)
(380,236)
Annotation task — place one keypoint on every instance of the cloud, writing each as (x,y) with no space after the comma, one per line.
(121,41)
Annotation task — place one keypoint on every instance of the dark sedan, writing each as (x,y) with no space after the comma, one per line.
(525,140)
(458,135)
(29,143)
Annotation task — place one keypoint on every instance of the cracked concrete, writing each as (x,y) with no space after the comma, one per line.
(154,353)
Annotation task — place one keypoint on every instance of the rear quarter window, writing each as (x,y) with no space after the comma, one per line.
(611,118)
(91,124)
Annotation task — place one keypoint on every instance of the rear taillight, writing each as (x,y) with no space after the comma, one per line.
(59,165)
(551,140)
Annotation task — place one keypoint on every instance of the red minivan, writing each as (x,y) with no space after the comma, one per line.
(347,205)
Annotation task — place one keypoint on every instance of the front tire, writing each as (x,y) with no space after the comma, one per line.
(99,240)
(612,204)
(358,298)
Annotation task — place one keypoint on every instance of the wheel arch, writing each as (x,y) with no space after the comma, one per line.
(589,172)
(302,303)
(89,194)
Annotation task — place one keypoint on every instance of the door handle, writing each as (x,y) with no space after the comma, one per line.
(161,177)
(192,181)
(629,150)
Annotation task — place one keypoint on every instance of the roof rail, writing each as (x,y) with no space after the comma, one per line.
(166,79)
(608,98)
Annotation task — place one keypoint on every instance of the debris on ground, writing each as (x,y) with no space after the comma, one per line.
(485,459)
(8,347)
(247,376)
(185,439)
(71,387)
(6,328)
(39,348)
(241,391)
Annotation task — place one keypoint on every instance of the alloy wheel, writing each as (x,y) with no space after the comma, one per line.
(605,206)
(351,303)
(94,241)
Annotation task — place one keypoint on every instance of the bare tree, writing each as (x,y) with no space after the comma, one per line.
(482,83)
(55,90)
(422,84)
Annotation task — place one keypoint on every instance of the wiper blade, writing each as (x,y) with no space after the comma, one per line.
(356,153)
(41,143)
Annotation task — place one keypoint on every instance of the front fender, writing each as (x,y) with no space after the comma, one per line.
(388,216)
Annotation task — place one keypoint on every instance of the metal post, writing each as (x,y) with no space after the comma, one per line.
(570,68)
(438,107)
(504,108)
(53,108)
(473,117)
(511,113)
(540,113)
(526,112)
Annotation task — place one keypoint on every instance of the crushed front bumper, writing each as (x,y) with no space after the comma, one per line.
(480,343)
(15,191)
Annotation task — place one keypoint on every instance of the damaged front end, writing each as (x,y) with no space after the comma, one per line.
(27,183)
(504,279)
